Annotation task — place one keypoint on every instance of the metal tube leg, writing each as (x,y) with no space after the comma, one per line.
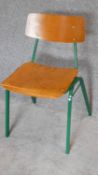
(33,99)
(88,106)
(33,59)
(69,121)
(7,96)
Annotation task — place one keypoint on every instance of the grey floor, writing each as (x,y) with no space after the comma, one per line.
(37,142)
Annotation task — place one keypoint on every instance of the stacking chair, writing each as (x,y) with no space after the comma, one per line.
(38,80)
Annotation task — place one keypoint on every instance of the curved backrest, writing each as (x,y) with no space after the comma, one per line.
(56,27)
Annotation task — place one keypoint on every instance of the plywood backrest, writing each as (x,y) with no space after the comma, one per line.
(56,27)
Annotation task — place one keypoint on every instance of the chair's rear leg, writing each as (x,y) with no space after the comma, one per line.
(33,99)
(7,101)
(69,121)
(88,106)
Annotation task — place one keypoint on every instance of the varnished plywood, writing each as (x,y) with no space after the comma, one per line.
(56,27)
(40,81)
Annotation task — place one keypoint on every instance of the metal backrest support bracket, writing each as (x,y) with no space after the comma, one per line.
(75,55)
(35,49)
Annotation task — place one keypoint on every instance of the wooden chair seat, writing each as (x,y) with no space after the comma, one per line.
(39,80)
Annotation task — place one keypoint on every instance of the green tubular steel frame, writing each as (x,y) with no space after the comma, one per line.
(69,120)
(78,81)
(72,90)
(33,59)
(35,49)
(7,98)
(75,55)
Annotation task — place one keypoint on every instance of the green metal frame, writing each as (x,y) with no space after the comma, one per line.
(75,55)
(72,90)
(7,98)
(35,49)
(34,100)
(78,81)
(69,120)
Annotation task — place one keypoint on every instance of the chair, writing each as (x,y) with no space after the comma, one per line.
(37,80)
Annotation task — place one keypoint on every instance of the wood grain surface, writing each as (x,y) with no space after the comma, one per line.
(56,27)
(39,80)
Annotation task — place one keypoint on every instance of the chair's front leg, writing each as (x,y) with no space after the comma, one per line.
(7,101)
(85,96)
(69,121)
(33,99)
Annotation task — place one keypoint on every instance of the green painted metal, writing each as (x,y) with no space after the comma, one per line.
(7,101)
(88,106)
(35,49)
(33,59)
(76,89)
(34,100)
(82,85)
(75,55)
(69,120)
(71,94)
(73,83)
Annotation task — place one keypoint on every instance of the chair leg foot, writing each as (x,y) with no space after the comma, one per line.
(88,106)
(34,100)
(7,101)
(68,121)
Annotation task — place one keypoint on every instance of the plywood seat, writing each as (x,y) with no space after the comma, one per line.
(40,80)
